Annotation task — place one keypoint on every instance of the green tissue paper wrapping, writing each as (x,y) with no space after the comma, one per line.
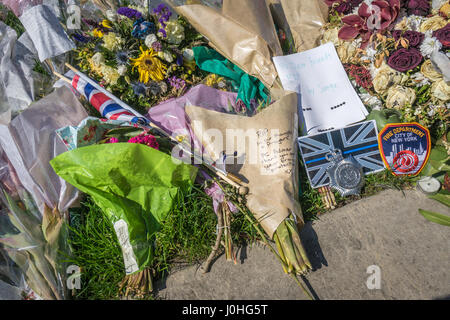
(134,185)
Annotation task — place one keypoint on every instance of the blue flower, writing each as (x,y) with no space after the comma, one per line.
(142,28)
(139,89)
(122,57)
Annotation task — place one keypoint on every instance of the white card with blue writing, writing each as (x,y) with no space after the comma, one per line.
(327,98)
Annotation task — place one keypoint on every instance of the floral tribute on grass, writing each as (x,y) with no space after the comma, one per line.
(142,56)
(394,52)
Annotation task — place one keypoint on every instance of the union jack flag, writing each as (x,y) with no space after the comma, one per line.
(106,105)
(359,141)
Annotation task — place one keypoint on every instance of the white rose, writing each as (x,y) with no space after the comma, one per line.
(441,90)
(150,40)
(398,97)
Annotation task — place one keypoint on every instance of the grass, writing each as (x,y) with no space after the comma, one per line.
(186,238)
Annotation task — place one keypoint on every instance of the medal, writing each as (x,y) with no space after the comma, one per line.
(346,175)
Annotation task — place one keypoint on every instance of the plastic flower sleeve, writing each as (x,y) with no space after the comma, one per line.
(250,40)
(171,116)
(18,82)
(19,6)
(33,243)
(30,142)
(47,34)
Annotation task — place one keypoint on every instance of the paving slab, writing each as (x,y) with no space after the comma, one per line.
(384,233)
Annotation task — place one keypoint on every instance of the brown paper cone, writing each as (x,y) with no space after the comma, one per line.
(249,46)
(273,184)
(306,19)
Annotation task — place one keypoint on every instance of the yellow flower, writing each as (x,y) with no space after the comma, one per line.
(149,66)
(212,80)
(429,71)
(399,96)
(385,78)
(441,90)
(434,23)
(110,75)
(107,24)
(98,33)
(112,41)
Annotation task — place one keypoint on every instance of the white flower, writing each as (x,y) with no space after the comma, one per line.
(122,70)
(432,111)
(188,54)
(166,56)
(429,45)
(414,22)
(111,15)
(372,101)
(420,79)
(369,54)
(418,111)
(150,40)
(98,59)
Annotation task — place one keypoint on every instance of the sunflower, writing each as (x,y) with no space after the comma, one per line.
(149,66)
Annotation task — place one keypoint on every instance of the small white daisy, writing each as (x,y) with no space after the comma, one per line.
(414,22)
(429,45)
(420,79)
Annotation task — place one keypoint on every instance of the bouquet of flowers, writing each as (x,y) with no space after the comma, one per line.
(396,52)
(143,57)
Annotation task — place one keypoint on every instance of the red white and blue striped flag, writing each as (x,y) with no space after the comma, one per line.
(108,107)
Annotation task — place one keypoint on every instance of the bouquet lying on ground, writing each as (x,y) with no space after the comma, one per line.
(396,52)
(142,58)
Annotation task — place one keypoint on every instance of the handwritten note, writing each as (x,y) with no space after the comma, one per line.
(327,98)
(274,154)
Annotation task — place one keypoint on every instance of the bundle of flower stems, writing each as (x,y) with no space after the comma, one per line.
(290,251)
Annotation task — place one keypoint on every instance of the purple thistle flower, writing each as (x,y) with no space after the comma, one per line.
(177,83)
(129,13)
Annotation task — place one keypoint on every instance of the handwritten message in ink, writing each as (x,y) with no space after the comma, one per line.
(274,153)
(327,98)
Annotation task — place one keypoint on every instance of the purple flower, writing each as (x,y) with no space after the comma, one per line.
(414,38)
(405,59)
(443,35)
(157,46)
(418,7)
(179,59)
(163,13)
(177,83)
(129,13)
(163,31)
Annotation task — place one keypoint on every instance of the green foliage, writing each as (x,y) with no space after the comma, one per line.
(436,217)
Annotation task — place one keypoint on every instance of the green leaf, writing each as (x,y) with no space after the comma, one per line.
(436,217)
(442,197)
